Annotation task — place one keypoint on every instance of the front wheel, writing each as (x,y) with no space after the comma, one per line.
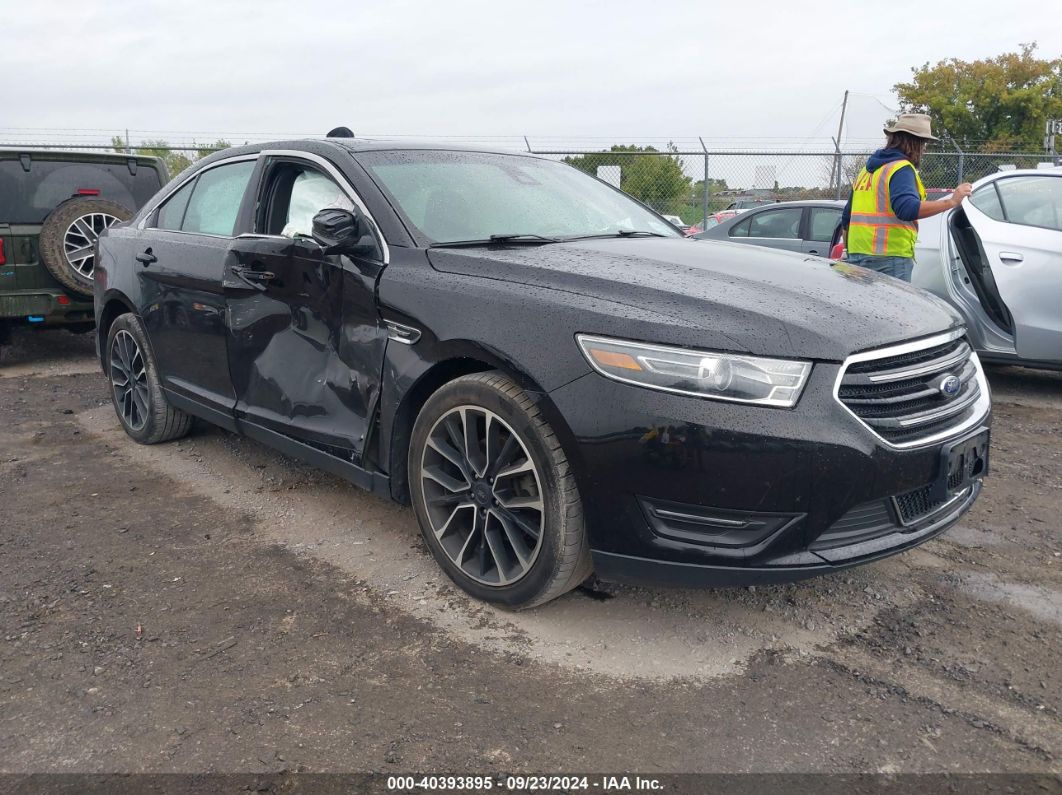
(494,494)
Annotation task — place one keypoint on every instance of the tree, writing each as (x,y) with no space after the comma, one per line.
(997,103)
(656,178)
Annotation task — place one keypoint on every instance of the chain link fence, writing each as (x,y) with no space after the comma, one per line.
(692,185)
(689,179)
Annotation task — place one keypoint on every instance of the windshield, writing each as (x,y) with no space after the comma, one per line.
(461,196)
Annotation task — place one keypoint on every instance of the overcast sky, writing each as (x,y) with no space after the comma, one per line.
(614,70)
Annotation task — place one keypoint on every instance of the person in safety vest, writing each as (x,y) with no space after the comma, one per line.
(881,217)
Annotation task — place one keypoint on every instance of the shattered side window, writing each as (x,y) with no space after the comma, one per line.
(216,199)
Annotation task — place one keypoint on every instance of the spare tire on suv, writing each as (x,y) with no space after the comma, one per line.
(68,239)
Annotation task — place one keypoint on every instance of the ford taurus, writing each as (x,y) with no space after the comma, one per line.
(557,381)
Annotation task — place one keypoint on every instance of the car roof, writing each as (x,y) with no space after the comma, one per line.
(15,152)
(1054,171)
(799,203)
(365,145)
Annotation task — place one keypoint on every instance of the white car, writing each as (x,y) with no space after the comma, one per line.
(998,260)
(676,222)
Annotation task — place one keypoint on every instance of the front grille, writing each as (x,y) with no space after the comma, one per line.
(899,395)
(874,519)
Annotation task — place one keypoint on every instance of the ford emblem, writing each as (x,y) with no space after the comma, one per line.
(950,386)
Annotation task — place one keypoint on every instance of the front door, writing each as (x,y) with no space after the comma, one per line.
(776,228)
(1018,221)
(306,343)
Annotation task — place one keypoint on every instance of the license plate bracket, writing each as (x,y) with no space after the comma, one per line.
(961,463)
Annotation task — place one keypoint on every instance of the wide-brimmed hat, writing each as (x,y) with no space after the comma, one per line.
(916,124)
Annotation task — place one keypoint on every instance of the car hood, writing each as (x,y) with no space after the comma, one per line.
(714,294)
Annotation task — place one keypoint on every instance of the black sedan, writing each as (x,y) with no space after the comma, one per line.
(803,226)
(556,380)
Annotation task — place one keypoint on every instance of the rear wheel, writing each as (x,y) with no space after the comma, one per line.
(68,239)
(136,389)
(494,494)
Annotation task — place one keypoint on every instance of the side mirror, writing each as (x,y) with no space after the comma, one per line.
(343,232)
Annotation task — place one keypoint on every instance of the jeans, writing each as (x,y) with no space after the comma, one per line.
(900,267)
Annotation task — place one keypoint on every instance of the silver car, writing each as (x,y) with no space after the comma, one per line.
(998,260)
(803,226)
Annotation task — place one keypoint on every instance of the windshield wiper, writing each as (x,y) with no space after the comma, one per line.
(519,239)
(621,233)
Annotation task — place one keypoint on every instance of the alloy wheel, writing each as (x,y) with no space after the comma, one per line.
(129,380)
(483,495)
(80,240)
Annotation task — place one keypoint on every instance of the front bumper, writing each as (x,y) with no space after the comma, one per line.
(810,489)
(790,568)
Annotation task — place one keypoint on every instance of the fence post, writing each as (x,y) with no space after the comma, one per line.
(962,158)
(704,221)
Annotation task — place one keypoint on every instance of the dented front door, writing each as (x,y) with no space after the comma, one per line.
(305,342)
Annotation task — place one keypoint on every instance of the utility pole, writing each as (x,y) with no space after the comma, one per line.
(837,147)
(127,149)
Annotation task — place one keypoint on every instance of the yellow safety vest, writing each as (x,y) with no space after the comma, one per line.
(874,228)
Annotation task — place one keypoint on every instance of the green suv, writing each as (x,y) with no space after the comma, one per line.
(53,205)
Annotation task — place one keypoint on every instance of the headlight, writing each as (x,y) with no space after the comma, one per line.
(720,376)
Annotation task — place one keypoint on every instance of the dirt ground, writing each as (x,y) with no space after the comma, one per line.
(209,605)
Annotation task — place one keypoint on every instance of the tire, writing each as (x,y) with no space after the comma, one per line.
(72,229)
(143,411)
(490,525)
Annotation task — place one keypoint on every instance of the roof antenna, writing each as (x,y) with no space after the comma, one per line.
(340,132)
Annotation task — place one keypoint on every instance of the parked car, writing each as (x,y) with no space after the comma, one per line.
(804,226)
(556,380)
(713,220)
(676,222)
(998,260)
(750,204)
(52,207)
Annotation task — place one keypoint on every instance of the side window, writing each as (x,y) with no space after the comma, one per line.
(216,199)
(741,230)
(1033,201)
(295,194)
(776,223)
(986,199)
(171,213)
(823,222)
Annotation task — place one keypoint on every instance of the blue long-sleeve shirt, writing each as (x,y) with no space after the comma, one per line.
(903,191)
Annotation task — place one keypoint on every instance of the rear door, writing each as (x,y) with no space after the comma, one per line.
(820,224)
(305,340)
(180,262)
(778,227)
(1018,221)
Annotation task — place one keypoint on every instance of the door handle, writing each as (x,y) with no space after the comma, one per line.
(255,279)
(146,257)
(1011,256)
